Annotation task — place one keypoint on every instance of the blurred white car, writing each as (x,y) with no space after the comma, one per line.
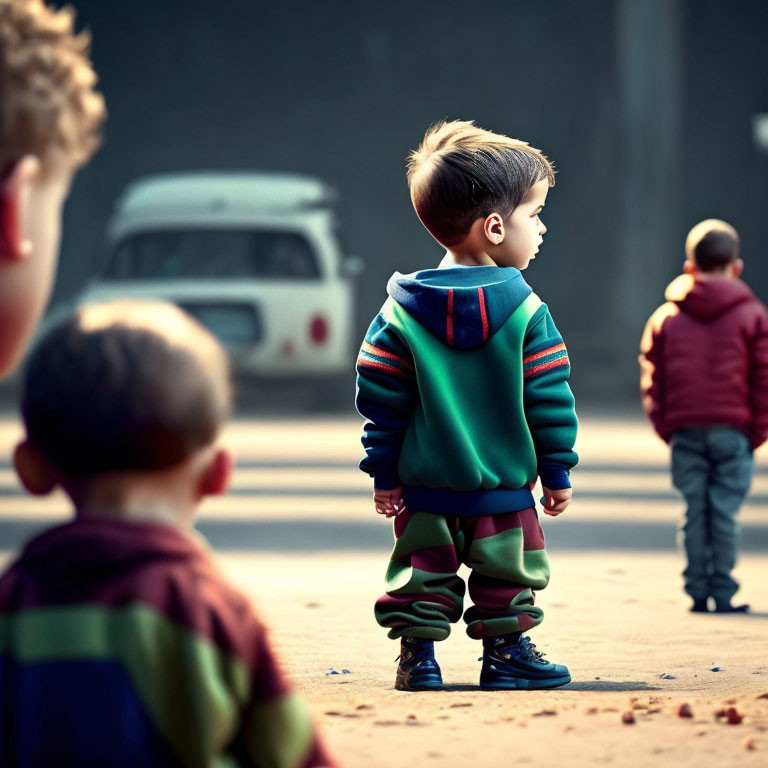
(255,257)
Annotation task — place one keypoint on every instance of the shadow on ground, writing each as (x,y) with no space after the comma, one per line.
(610,685)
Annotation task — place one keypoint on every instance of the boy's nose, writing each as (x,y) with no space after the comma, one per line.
(542,228)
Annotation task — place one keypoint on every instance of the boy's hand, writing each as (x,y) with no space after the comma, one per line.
(389,503)
(555,502)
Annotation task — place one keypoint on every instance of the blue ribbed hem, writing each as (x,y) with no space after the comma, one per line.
(450,503)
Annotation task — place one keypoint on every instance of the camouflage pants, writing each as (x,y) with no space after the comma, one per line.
(425,595)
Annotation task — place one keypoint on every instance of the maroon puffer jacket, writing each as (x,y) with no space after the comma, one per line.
(704,358)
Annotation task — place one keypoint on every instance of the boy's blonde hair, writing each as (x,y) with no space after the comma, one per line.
(48,106)
(461,173)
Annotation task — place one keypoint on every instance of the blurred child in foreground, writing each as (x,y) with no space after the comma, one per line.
(50,118)
(463,380)
(120,642)
(704,361)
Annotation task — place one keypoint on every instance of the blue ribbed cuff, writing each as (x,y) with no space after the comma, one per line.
(386,479)
(554,479)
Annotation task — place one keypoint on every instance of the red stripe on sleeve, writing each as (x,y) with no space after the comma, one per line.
(544,352)
(547,366)
(379,352)
(365,362)
(449,318)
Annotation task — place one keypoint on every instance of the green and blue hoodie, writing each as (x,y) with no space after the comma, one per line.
(463,380)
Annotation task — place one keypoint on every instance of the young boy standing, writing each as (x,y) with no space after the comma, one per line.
(704,361)
(463,380)
(120,642)
(50,117)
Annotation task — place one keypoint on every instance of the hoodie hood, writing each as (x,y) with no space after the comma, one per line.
(707,299)
(86,547)
(461,306)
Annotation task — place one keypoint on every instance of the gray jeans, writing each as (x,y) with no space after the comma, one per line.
(712,467)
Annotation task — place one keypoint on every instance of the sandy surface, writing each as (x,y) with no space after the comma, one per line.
(618,620)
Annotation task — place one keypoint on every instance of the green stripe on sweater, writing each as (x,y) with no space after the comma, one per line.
(280,732)
(194,691)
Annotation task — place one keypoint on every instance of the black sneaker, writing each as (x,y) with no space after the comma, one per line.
(417,670)
(700,605)
(513,663)
(726,607)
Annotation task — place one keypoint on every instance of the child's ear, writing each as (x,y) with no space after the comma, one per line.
(13,186)
(215,478)
(36,473)
(689,267)
(737,267)
(493,228)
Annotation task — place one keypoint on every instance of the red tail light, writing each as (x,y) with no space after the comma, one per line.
(318,329)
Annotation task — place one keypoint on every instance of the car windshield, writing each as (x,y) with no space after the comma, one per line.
(216,253)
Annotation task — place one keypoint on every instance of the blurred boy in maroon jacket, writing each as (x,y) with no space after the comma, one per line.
(704,361)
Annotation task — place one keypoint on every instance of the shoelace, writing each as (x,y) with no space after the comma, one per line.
(417,652)
(425,662)
(528,649)
(525,649)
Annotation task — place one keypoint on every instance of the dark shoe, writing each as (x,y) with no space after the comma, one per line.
(417,670)
(700,605)
(728,608)
(513,663)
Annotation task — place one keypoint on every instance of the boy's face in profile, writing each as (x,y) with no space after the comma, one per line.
(52,116)
(523,230)
(38,198)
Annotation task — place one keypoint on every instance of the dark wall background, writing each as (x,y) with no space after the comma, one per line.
(726,82)
(344,90)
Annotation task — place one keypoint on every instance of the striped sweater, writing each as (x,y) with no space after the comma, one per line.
(121,645)
(463,381)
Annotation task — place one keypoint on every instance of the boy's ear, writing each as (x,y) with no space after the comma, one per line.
(689,267)
(36,473)
(215,478)
(13,246)
(493,228)
(737,267)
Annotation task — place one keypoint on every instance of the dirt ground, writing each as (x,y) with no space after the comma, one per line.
(615,611)
(618,620)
